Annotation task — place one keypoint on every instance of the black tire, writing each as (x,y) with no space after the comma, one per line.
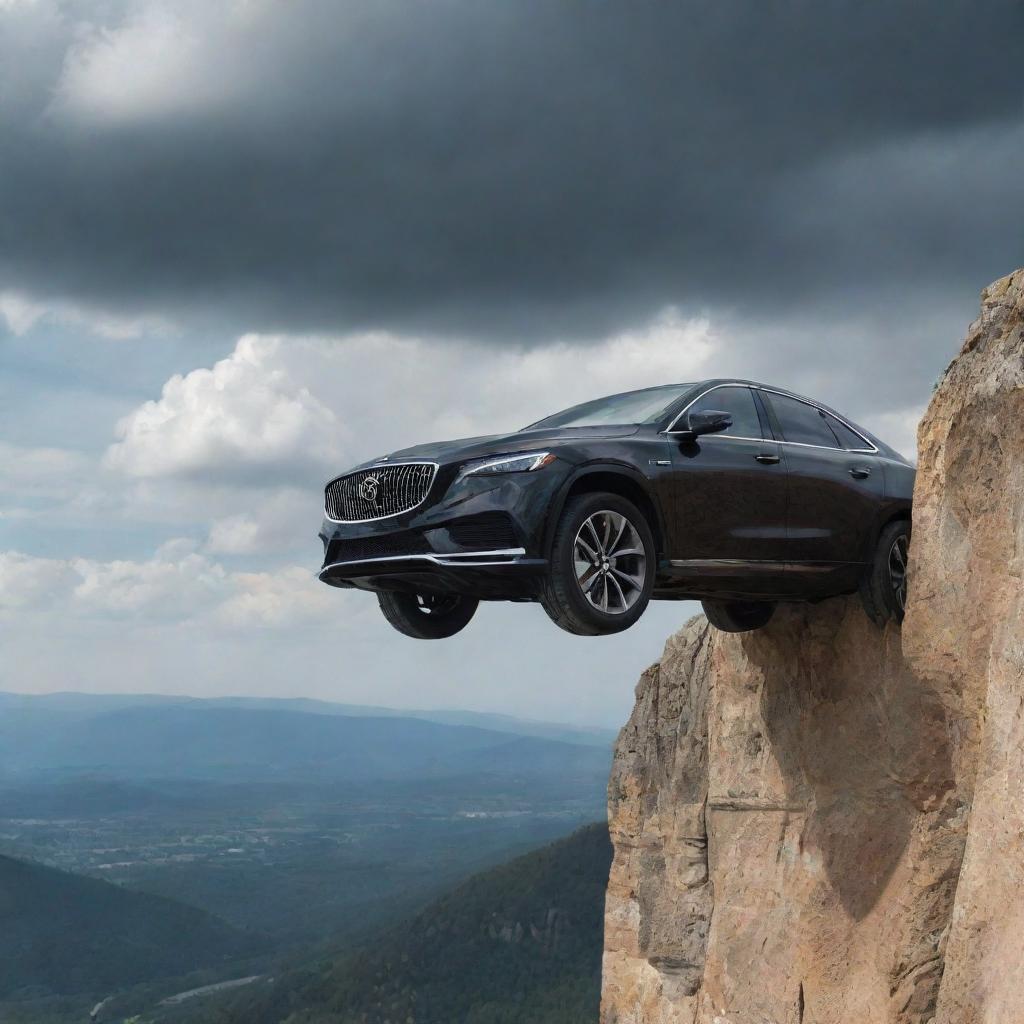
(738,616)
(426,616)
(883,588)
(624,581)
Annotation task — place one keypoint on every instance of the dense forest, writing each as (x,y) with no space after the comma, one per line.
(519,944)
(62,933)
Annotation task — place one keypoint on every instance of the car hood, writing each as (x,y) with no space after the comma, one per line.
(502,444)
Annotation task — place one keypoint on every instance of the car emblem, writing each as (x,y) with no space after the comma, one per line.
(368,488)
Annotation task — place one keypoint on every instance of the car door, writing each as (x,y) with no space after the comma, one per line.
(728,489)
(834,487)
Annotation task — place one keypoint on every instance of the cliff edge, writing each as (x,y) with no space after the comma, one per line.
(822,822)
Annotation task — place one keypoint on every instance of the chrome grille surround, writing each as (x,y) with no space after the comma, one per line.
(378,492)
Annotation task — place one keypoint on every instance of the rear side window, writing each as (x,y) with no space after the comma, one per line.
(847,438)
(802,423)
(739,404)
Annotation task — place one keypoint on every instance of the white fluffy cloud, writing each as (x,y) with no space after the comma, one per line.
(22,312)
(284,598)
(178,584)
(177,587)
(118,73)
(270,524)
(245,418)
(159,60)
(27,582)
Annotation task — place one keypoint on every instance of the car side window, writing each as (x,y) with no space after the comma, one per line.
(802,423)
(848,439)
(739,404)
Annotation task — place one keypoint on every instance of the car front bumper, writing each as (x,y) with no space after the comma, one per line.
(481,537)
(503,575)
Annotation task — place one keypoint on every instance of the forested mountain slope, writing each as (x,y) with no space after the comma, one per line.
(519,944)
(63,933)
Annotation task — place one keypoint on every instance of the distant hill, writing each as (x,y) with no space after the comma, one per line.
(586,735)
(33,708)
(519,944)
(62,933)
(216,741)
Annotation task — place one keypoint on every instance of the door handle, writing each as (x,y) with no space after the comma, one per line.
(860,472)
(766,460)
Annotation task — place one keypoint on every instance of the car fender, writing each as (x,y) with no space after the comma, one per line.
(584,470)
(897,503)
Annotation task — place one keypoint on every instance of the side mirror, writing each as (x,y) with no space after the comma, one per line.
(711,421)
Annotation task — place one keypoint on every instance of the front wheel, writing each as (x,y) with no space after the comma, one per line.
(602,566)
(427,616)
(738,616)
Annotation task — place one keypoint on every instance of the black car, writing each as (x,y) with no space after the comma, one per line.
(734,493)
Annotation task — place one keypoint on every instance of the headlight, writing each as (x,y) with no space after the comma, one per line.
(520,463)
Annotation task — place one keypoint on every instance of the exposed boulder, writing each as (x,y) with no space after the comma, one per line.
(822,821)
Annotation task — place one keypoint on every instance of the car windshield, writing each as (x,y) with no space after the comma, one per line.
(631,408)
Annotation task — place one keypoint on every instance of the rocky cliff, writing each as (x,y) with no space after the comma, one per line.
(823,822)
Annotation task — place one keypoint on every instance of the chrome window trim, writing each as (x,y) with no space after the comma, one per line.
(825,448)
(384,464)
(453,558)
(682,412)
(730,437)
(870,450)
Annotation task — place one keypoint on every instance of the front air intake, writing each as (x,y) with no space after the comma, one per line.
(378,492)
(485,531)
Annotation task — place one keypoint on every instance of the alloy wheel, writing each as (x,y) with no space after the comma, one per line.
(898,571)
(436,604)
(609,560)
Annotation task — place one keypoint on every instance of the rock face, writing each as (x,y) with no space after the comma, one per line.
(786,829)
(823,822)
(965,636)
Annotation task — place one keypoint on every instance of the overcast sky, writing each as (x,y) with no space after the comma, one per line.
(246,244)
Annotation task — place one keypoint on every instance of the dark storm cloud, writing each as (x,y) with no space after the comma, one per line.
(540,167)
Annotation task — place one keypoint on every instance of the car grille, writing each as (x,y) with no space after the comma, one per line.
(379,492)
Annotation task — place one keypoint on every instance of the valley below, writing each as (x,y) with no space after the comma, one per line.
(267,822)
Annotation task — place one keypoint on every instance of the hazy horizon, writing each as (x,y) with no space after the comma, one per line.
(365,709)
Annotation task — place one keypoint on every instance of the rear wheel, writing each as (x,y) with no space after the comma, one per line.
(427,616)
(883,588)
(738,616)
(602,566)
